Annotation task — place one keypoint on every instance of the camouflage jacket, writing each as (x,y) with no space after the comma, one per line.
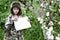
(10,30)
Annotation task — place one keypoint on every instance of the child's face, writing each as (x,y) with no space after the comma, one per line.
(15,10)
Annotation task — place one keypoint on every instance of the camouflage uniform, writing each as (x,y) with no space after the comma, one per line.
(10,32)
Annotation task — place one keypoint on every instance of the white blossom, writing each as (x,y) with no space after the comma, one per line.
(50,29)
(50,37)
(50,23)
(38,18)
(57,38)
(44,27)
(59,5)
(55,20)
(42,4)
(46,3)
(47,14)
(49,33)
(52,1)
(59,35)
(41,21)
(59,10)
(59,23)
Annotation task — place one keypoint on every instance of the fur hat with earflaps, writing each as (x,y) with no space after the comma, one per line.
(16,4)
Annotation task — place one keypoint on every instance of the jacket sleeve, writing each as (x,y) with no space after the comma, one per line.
(8,22)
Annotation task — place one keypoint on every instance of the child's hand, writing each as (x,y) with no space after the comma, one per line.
(15,18)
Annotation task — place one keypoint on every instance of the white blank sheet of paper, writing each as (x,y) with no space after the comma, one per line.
(22,23)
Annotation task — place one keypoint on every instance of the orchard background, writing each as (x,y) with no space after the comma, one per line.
(49,10)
